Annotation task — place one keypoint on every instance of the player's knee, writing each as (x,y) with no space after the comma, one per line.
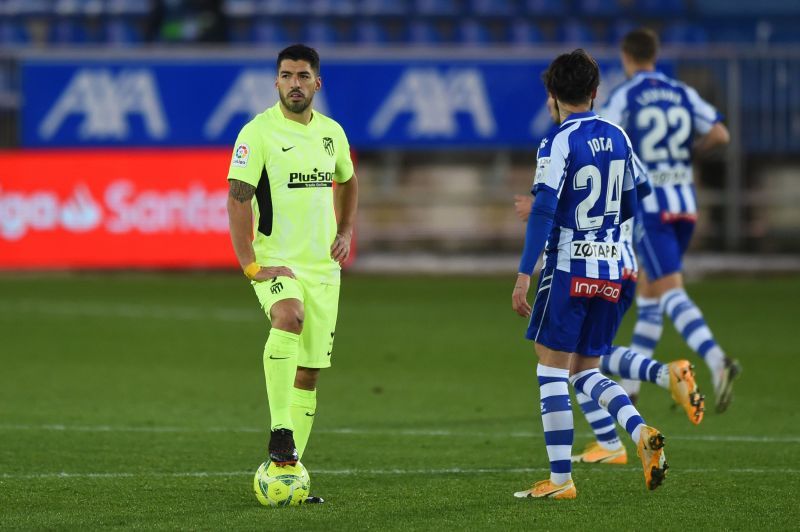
(288,319)
(306,378)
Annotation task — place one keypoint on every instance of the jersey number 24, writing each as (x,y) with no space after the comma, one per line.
(590,177)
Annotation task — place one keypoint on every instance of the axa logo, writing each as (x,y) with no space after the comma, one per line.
(107,100)
(583,287)
(433,99)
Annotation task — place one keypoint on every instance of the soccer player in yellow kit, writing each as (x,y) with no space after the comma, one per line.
(290,241)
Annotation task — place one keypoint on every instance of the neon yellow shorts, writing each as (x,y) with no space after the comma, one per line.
(321,307)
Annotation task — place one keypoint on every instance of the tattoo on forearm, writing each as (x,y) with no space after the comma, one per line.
(241,191)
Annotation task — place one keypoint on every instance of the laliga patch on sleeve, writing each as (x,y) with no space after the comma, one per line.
(240,156)
(541,170)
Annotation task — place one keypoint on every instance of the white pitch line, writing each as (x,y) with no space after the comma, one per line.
(379,472)
(746,438)
(128,311)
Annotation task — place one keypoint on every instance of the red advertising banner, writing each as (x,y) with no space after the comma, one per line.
(114,209)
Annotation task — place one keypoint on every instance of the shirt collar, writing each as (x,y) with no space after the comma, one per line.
(579,116)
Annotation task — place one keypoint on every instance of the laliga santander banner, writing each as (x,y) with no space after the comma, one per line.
(127,208)
(114,209)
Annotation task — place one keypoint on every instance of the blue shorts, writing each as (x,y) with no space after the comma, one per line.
(661,243)
(575,314)
(627,296)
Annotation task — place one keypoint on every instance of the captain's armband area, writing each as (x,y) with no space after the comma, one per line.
(240,191)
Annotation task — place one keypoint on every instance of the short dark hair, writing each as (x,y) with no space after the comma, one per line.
(300,52)
(572,77)
(641,45)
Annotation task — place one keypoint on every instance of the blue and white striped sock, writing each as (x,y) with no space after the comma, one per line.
(646,334)
(629,364)
(611,397)
(689,322)
(556,420)
(649,324)
(601,422)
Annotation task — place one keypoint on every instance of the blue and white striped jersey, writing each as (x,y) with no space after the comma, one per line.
(629,264)
(661,116)
(587,163)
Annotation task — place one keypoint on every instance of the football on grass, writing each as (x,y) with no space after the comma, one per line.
(281,486)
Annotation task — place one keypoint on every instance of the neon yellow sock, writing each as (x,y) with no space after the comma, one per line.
(280,367)
(303,408)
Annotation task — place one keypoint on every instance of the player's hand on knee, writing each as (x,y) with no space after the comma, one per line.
(519,297)
(271,272)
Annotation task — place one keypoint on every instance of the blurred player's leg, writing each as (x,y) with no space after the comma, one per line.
(607,447)
(689,322)
(632,365)
(646,334)
(677,377)
(648,328)
(613,398)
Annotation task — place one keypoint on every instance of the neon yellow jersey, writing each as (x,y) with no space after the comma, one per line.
(293,167)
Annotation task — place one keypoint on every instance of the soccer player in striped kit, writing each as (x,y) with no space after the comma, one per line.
(584,189)
(662,116)
(676,376)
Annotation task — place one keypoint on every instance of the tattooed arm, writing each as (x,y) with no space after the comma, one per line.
(240,220)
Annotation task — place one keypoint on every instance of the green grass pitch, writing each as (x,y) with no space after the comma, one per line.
(137,401)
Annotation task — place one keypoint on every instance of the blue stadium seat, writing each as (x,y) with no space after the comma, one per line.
(371,32)
(127,7)
(473,32)
(70,30)
(733,33)
(423,32)
(661,8)
(269,31)
(716,8)
(523,32)
(383,7)
(575,32)
(124,31)
(786,32)
(494,8)
(27,7)
(13,32)
(605,8)
(283,7)
(684,33)
(619,29)
(437,7)
(546,7)
(320,31)
(239,8)
(333,7)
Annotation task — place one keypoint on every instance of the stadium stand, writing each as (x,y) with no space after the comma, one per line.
(381,22)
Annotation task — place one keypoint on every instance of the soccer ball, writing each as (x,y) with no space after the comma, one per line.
(281,486)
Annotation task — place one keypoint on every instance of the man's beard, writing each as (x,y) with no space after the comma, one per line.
(296,107)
